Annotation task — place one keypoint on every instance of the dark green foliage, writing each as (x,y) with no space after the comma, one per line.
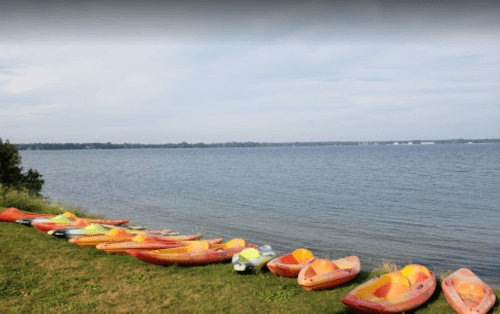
(108,145)
(11,175)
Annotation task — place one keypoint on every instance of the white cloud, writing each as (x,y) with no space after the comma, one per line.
(30,79)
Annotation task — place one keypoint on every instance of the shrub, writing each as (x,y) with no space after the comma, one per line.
(11,175)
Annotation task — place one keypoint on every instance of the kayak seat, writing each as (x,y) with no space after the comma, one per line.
(320,267)
(236,243)
(248,254)
(118,234)
(198,246)
(94,229)
(392,286)
(142,238)
(302,255)
(471,293)
(115,232)
(61,219)
(69,215)
(415,273)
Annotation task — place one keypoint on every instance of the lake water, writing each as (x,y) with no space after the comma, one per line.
(437,205)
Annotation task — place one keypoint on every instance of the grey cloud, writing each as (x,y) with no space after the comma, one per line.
(248,21)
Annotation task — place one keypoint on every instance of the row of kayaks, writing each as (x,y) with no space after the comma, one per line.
(396,292)
(390,293)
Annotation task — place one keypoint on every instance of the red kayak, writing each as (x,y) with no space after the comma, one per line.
(47,226)
(196,253)
(78,222)
(289,265)
(12,214)
(468,294)
(325,274)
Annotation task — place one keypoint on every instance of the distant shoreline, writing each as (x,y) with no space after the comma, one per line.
(108,145)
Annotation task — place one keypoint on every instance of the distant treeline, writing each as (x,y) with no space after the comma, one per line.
(64,146)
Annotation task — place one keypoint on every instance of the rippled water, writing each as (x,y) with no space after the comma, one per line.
(438,205)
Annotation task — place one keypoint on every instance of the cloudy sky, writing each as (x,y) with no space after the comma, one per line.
(222,71)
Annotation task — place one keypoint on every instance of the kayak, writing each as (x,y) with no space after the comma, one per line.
(92,229)
(144,242)
(47,226)
(197,253)
(393,293)
(12,214)
(73,232)
(67,218)
(112,222)
(114,234)
(466,293)
(289,265)
(253,259)
(62,219)
(324,274)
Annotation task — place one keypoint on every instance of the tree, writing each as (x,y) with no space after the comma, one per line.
(11,175)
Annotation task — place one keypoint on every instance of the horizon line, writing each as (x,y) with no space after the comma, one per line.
(461,140)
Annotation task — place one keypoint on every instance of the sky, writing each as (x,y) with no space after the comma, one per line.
(218,71)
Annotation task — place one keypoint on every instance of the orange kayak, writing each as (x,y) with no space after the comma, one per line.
(324,274)
(466,293)
(197,253)
(78,223)
(112,222)
(289,265)
(12,214)
(176,237)
(393,293)
(144,242)
(112,235)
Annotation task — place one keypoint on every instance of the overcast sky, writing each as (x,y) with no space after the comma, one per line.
(223,71)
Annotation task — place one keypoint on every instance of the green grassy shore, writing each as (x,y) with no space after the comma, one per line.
(44,274)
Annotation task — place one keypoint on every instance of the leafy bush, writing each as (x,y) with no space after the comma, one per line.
(11,175)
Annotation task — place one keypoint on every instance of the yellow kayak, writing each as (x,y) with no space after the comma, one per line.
(113,235)
(144,242)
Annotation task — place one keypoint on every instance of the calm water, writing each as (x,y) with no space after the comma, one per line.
(438,205)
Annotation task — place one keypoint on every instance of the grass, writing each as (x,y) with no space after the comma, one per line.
(22,200)
(44,274)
